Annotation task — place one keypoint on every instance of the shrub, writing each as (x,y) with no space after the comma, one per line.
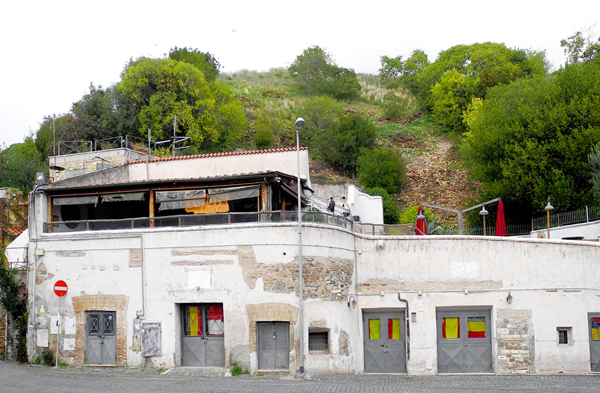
(48,357)
(410,214)
(343,143)
(383,168)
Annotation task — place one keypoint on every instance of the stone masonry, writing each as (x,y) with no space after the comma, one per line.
(515,340)
(327,279)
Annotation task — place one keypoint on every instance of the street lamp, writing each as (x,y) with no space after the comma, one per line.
(548,208)
(483,213)
(299,125)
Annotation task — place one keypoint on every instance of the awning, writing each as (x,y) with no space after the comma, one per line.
(80,200)
(131,196)
(233,193)
(16,252)
(181,199)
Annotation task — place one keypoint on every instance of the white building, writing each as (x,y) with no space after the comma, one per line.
(193,261)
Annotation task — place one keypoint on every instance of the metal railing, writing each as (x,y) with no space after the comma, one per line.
(384,229)
(128,141)
(573,217)
(196,220)
(511,230)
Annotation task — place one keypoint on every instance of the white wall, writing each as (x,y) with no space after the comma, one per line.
(587,230)
(223,165)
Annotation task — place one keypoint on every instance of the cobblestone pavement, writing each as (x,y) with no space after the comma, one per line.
(25,379)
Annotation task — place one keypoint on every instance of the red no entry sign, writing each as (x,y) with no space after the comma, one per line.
(60,288)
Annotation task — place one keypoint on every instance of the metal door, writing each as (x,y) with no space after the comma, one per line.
(101,338)
(203,342)
(273,345)
(594,323)
(464,341)
(384,342)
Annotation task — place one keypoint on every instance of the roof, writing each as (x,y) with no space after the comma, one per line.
(14,231)
(165,182)
(227,154)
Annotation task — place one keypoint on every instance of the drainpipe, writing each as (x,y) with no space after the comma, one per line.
(141,314)
(407,338)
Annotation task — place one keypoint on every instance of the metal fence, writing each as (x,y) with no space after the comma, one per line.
(573,217)
(385,230)
(128,141)
(197,220)
(511,230)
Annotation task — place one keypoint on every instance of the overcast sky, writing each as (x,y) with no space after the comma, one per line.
(52,50)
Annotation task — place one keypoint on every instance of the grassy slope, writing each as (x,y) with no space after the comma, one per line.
(434,169)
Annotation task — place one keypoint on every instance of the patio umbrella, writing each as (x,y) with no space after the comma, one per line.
(500,222)
(421,225)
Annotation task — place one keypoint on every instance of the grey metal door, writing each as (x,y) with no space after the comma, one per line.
(464,341)
(594,323)
(273,345)
(101,338)
(203,342)
(384,342)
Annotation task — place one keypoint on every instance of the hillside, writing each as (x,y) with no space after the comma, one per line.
(434,169)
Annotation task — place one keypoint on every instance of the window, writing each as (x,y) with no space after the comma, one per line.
(450,327)
(564,335)
(318,340)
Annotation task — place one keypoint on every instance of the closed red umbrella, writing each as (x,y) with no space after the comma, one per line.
(500,222)
(421,225)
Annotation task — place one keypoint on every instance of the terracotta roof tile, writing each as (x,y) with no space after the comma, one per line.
(227,154)
(15,231)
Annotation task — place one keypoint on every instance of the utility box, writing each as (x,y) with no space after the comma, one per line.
(151,340)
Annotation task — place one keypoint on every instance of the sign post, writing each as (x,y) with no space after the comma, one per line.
(60,289)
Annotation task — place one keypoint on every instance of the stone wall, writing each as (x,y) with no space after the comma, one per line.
(515,340)
(327,279)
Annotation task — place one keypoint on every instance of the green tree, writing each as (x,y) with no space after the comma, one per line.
(383,168)
(162,88)
(594,161)
(205,62)
(315,71)
(451,96)
(530,140)
(482,66)
(19,164)
(319,114)
(391,211)
(580,48)
(391,70)
(343,143)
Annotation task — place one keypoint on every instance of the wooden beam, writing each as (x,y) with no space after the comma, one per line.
(151,208)
(49,215)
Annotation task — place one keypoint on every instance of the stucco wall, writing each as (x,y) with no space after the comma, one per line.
(285,161)
(252,269)
(239,266)
(553,284)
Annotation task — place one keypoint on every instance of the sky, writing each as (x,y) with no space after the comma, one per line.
(50,51)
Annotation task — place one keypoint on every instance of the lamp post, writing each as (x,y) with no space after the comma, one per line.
(548,208)
(299,125)
(483,213)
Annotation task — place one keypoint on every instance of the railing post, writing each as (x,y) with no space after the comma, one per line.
(587,214)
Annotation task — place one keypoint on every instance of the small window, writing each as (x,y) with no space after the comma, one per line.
(318,340)
(564,335)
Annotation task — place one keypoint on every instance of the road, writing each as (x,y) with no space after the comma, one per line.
(16,378)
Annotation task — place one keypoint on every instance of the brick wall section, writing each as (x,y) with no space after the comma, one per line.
(117,303)
(135,258)
(327,279)
(515,342)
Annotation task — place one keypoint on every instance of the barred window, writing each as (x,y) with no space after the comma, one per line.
(318,340)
